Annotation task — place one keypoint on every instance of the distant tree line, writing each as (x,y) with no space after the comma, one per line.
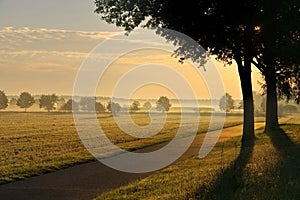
(226,103)
(50,102)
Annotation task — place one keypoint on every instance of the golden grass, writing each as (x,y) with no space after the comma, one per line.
(36,143)
(271,172)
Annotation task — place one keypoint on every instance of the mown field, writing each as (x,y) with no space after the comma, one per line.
(268,170)
(36,143)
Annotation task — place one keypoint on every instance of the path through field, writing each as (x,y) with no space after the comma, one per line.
(86,181)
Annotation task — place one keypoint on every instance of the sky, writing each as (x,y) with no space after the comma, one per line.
(44,43)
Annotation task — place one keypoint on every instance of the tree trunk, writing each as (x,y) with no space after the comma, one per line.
(269,59)
(246,86)
(271,104)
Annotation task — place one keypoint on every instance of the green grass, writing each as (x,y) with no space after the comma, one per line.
(269,170)
(37,143)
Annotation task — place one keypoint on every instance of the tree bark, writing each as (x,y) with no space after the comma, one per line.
(271,103)
(246,86)
(270,75)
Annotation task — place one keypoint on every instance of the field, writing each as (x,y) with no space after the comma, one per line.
(269,170)
(37,143)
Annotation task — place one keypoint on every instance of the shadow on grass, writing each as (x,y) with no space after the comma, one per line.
(230,180)
(273,172)
(287,171)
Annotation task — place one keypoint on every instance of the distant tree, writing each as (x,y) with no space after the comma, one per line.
(263,105)
(163,104)
(290,108)
(3,100)
(259,103)
(113,107)
(135,106)
(87,103)
(61,101)
(147,105)
(70,105)
(25,100)
(13,101)
(281,110)
(241,105)
(99,107)
(226,103)
(48,102)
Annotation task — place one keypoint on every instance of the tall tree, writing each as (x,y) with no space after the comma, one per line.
(263,33)
(25,100)
(278,53)
(224,28)
(3,100)
(48,102)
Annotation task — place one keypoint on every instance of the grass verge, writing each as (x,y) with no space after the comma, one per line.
(271,171)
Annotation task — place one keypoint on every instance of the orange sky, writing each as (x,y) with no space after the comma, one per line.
(43,44)
(47,61)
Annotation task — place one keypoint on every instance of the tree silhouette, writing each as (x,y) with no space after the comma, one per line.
(48,102)
(25,100)
(277,56)
(230,30)
(147,105)
(135,106)
(70,105)
(226,34)
(226,103)
(87,103)
(113,107)
(3,100)
(99,107)
(163,104)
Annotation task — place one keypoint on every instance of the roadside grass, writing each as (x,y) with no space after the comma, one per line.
(271,171)
(37,143)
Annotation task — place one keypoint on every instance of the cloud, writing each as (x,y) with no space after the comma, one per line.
(50,39)
(27,49)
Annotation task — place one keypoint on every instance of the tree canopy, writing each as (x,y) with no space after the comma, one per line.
(87,103)
(135,106)
(226,103)
(70,105)
(147,105)
(25,100)
(163,104)
(243,31)
(113,107)
(48,102)
(99,107)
